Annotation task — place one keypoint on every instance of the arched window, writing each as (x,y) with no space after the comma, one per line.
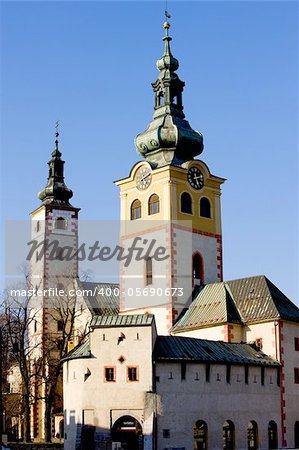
(186,203)
(149,271)
(228,435)
(296,431)
(153,204)
(197,269)
(205,207)
(272,434)
(136,209)
(200,432)
(252,436)
(60,223)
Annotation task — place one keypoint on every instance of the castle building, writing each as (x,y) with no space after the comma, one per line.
(176,358)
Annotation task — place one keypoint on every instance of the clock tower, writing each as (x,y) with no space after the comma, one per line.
(171,201)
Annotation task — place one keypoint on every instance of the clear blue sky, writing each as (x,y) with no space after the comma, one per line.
(90,65)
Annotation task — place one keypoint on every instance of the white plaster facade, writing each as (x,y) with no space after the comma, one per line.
(166,403)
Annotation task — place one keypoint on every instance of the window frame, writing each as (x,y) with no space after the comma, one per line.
(152,203)
(133,209)
(60,220)
(106,380)
(136,368)
(204,198)
(149,271)
(181,204)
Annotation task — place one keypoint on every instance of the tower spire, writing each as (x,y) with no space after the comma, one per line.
(169,138)
(56,192)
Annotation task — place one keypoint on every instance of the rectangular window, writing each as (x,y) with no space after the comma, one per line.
(132,373)
(166,434)
(296,375)
(262,375)
(60,325)
(109,374)
(183,371)
(278,376)
(297,344)
(228,371)
(208,370)
(246,374)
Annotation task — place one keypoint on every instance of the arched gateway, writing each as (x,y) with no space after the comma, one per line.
(128,431)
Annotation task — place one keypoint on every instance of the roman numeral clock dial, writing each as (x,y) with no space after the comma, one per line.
(195,178)
(143,178)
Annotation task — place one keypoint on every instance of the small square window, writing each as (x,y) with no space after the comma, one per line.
(109,374)
(132,373)
(60,223)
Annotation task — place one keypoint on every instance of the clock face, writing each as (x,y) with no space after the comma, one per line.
(195,177)
(143,178)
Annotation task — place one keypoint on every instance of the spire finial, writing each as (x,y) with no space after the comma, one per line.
(57,134)
(166,24)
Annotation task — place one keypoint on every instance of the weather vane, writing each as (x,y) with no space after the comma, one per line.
(57,133)
(167,16)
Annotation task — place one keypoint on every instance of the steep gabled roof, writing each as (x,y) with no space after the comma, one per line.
(245,300)
(257,298)
(100,298)
(179,348)
(212,305)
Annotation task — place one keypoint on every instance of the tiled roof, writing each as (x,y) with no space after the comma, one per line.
(122,321)
(181,348)
(81,351)
(244,300)
(103,299)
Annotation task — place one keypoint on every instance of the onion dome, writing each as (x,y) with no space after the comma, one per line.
(56,192)
(169,138)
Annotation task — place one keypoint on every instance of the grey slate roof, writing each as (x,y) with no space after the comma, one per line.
(98,299)
(179,348)
(245,300)
(122,321)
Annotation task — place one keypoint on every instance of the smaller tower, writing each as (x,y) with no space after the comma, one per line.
(54,238)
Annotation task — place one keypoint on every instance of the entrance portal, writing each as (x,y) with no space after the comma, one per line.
(128,431)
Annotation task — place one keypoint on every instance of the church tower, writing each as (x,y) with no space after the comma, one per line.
(52,273)
(173,199)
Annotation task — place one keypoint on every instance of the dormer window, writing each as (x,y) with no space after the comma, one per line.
(60,223)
